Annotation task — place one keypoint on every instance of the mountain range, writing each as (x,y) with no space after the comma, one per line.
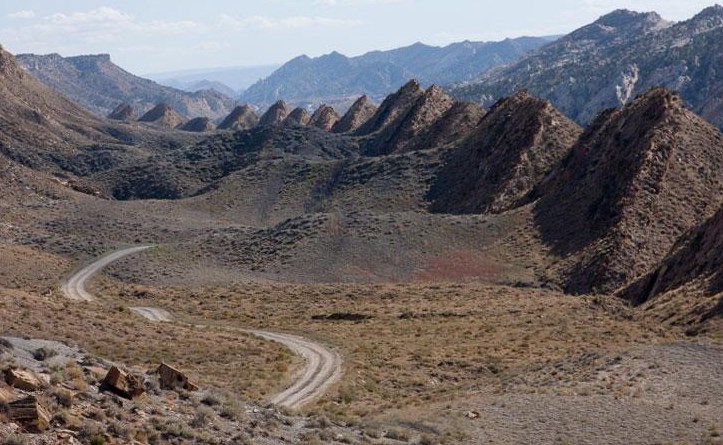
(98,84)
(607,63)
(335,78)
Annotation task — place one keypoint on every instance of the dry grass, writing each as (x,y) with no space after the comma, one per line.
(252,367)
(428,343)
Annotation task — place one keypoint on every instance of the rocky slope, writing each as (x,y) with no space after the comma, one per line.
(298,116)
(607,63)
(163,115)
(98,84)
(334,76)
(637,180)
(123,112)
(39,127)
(515,146)
(357,115)
(275,115)
(198,125)
(242,117)
(324,118)
(687,286)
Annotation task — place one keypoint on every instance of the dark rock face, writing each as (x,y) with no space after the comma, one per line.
(360,112)
(607,63)
(403,134)
(123,112)
(241,118)
(99,85)
(514,147)
(394,108)
(636,181)
(274,115)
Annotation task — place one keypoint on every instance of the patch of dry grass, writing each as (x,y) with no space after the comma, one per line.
(421,344)
(251,367)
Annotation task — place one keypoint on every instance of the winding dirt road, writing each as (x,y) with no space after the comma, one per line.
(322,367)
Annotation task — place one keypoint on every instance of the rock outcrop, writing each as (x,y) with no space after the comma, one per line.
(163,115)
(394,108)
(274,115)
(325,117)
(243,117)
(515,146)
(357,115)
(402,133)
(29,413)
(198,125)
(298,117)
(123,384)
(637,180)
(123,112)
(22,379)
(172,378)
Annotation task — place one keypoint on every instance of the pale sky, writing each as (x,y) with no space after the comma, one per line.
(146,36)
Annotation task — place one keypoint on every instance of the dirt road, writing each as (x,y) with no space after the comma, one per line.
(74,288)
(322,367)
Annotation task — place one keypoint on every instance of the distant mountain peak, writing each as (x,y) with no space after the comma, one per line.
(624,17)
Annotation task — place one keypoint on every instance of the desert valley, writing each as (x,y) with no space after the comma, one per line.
(514,242)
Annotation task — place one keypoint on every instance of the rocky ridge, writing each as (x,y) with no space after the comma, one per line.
(607,63)
(95,82)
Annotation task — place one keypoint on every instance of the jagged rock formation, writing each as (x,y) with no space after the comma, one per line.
(394,108)
(325,117)
(331,77)
(636,180)
(242,117)
(274,115)
(123,112)
(514,147)
(198,125)
(401,135)
(607,63)
(360,112)
(163,115)
(95,82)
(298,116)
(453,126)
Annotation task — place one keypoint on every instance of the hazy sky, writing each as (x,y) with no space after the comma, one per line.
(146,36)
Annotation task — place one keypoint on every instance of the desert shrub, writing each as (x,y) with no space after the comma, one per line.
(5,344)
(202,417)
(63,397)
(398,434)
(42,354)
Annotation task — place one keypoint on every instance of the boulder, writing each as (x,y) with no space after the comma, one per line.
(25,380)
(172,378)
(30,414)
(123,384)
